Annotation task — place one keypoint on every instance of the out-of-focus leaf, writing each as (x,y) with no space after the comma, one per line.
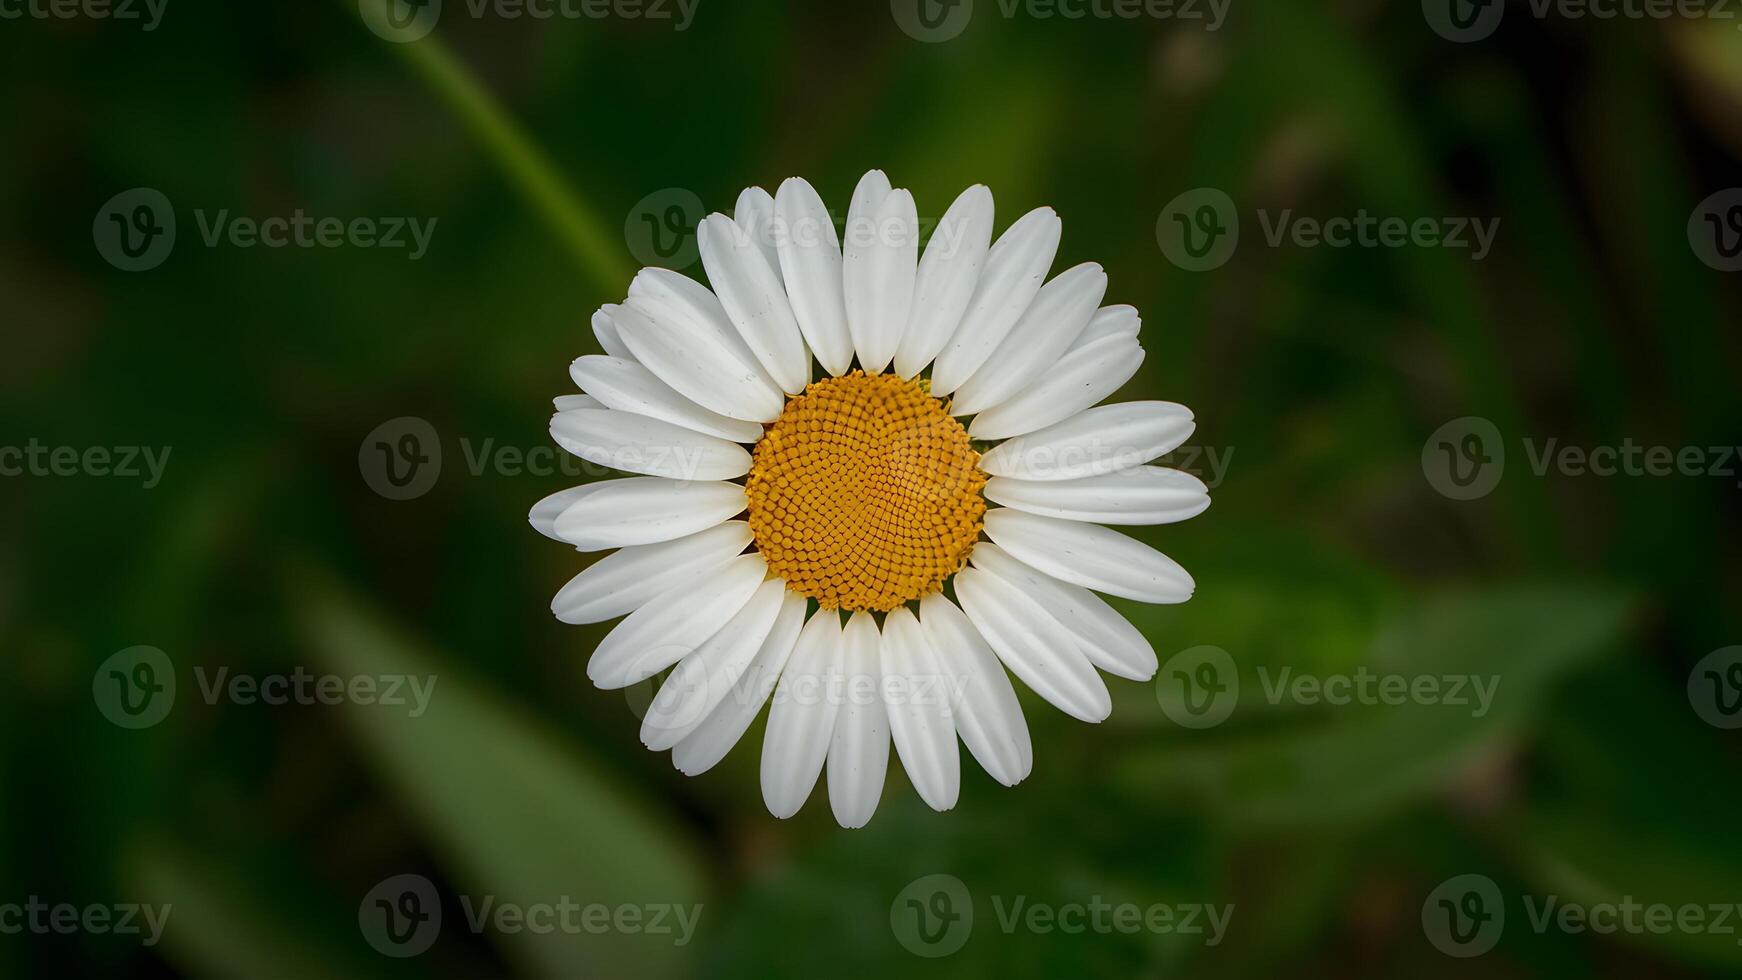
(1366,758)
(1642,807)
(518,817)
(222,924)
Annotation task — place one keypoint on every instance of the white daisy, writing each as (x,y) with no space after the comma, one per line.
(797,535)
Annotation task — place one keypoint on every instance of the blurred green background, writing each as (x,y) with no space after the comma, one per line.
(1318,375)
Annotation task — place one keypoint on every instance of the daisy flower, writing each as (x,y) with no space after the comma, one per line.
(871,479)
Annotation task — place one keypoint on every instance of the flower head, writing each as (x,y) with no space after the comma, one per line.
(815,568)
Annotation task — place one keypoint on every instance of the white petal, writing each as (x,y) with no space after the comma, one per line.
(1111,321)
(544,513)
(1091,556)
(638,444)
(1015,268)
(703,748)
(859,750)
(671,626)
(750,292)
(916,692)
(609,340)
(754,213)
(1100,440)
(1046,330)
(1034,646)
(987,714)
(810,257)
(1140,495)
(693,357)
(948,271)
(877,276)
(570,403)
(629,387)
(801,721)
(645,509)
(663,293)
(1084,376)
(704,678)
(1105,637)
(624,580)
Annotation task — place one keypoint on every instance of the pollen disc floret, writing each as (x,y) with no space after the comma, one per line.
(864,493)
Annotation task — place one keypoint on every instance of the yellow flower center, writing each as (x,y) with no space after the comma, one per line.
(865,493)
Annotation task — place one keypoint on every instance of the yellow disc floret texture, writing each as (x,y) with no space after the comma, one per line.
(865,493)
